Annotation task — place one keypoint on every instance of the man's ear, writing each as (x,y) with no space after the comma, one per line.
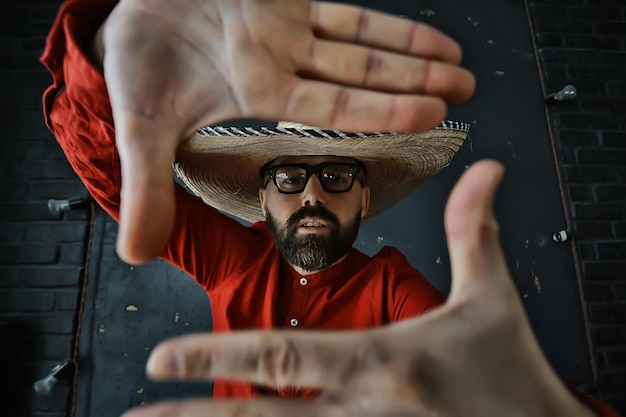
(365,200)
(263,201)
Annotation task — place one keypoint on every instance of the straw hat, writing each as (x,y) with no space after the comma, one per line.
(222,164)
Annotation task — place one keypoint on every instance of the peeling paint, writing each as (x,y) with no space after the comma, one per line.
(427,12)
(490,43)
(537,283)
(139,390)
(102,329)
(526,244)
(131,267)
(512,149)
(438,260)
(176,317)
(500,73)
(379,239)
(525,295)
(131,307)
(472,21)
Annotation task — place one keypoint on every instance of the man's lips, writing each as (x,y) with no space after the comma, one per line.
(312,225)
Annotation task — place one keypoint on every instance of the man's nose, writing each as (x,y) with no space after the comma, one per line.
(313,193)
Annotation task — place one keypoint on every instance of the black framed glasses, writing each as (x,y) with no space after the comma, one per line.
(335,177)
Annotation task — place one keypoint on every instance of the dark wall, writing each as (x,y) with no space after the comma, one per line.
(583,43)
(42,256)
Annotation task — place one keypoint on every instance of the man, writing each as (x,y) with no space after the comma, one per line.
(172,67)
(298,269)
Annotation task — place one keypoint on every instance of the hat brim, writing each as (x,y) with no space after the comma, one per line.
(223,169)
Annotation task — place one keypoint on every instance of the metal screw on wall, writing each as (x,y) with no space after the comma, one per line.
(45,384)
(56,207)
(567,93)
(560,236)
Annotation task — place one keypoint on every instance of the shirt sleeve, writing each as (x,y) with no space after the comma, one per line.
(411,293)
(205,243)
(597,406)
(414,295)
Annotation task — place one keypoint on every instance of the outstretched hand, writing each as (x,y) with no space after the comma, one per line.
(173,66)
(474,356)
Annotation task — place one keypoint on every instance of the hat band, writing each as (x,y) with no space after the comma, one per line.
(312,132)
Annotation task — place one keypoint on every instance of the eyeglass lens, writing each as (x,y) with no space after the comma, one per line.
(334,178)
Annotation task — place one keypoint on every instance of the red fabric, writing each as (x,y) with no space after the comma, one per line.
(248,283)
(600,408)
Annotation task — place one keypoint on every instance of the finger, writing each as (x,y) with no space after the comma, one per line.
(147,195)
(352,109)
(146,134)
(260,407)
(367,27)
(472,230)
(376,69)
(323,360)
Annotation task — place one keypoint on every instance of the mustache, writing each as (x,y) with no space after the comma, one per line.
(312,211)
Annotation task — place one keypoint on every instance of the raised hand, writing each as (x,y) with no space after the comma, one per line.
(172,66)
(474,356)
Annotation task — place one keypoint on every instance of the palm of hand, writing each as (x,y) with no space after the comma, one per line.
(197,63)
(441,365)
(173,66)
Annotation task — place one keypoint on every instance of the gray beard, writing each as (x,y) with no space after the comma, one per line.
(312,252)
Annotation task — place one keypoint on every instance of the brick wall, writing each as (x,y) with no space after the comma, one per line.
(41,255)
(583,42)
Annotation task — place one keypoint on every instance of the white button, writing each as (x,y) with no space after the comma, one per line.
(304,281)
(293,322)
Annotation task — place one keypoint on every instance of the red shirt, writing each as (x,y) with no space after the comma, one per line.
(249,285)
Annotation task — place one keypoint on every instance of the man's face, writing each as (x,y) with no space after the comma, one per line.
(314,229)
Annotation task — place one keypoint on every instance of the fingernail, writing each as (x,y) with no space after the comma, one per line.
(162,363)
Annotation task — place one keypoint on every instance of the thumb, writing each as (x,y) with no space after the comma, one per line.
(146,150)
(472,231)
